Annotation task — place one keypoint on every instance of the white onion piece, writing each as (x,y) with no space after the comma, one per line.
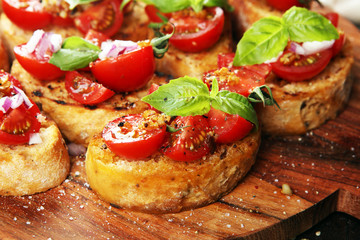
(308,48)
(16,101)
(115,48)
(34,40)
(35,138)
(76,149)
(55,42)
(26,99)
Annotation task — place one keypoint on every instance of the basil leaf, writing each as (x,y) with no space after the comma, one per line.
(177,5)
(184,96)
(75,53)
(74,3)
(258,95)
(169,5)
(305,26)
(219,3)
(233,103)
(262,42)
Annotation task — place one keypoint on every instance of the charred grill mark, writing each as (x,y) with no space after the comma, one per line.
(61,102)
(303,105)
(91,107)
(37,93)
(223,154)
(50,87)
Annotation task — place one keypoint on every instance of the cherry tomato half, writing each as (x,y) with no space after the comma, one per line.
(104,17)
(195,32)
(39,68)
(228,128)
(126,72)
(96,37)
(134,136)
(27,14)
(284,5)
(191,142)
(85,91)
(293,67)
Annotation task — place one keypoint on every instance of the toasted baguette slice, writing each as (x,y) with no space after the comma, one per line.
(79,122)
(27,169)
(308,104)
(160,185)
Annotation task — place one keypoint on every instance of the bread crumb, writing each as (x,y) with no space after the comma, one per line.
(286,189)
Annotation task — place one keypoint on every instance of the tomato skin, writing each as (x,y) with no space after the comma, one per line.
(39,68)
(97,13)
(333,17)
(293,73)
(152,13)
(90,93)
(178,144)
(338,44)
(62,22)
(228,128)
(130,148)
(202,39)
(284,5)
(26,19)
(126,72)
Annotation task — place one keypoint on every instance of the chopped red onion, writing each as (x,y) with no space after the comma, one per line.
(115,48)
(25,98)
(16,101)
(5,104)
(41,42)
(308,48)
(35,138)
(76,149)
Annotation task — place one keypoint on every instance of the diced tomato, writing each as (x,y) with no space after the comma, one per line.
(228,128)
(84,90)
(135,136)
(239,80)
(191,142)
(338,44)
(333,17)
(152,13)
(38,67)
(104,17)
(27,14)
(126,72)
(96,37)
(62,22)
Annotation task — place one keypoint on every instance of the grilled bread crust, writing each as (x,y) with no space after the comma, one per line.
(161,185)
(79,122)
(28,169)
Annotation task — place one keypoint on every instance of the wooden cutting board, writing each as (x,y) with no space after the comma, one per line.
(322,168)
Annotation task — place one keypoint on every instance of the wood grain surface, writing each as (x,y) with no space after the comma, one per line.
(322,168)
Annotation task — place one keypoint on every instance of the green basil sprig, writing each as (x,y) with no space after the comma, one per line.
(75,53)
(268,37)
(167,6)
(187,96)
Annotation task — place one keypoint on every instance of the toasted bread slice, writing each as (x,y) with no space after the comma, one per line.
(27,169)
(76,121)
(159,184)
(306,105)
